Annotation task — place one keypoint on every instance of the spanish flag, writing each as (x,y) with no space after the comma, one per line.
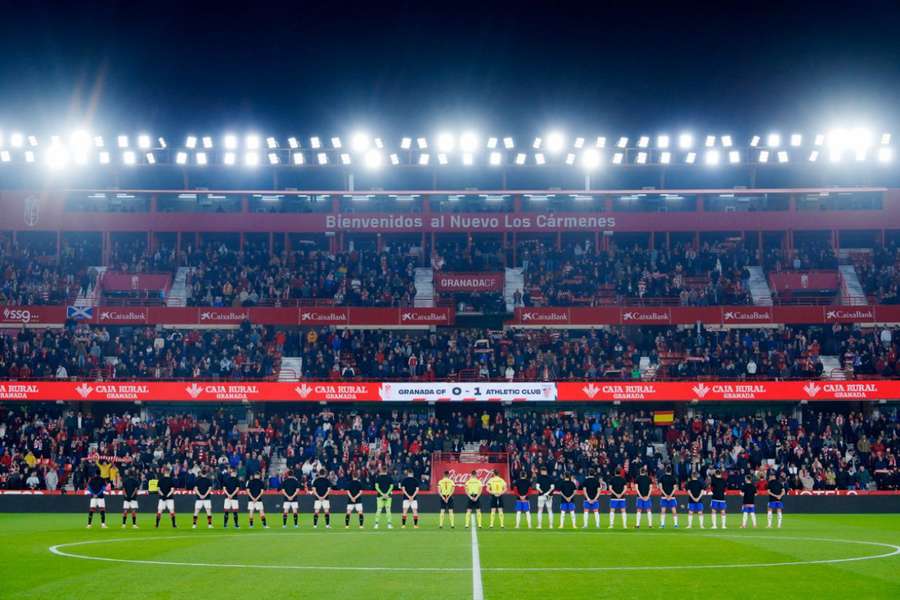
(663,417)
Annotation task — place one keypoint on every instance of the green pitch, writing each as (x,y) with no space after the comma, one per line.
(808,557)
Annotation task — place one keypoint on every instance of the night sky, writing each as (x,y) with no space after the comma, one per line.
(407,68)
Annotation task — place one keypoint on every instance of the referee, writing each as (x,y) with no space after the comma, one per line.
(473,491)
(446,488)
(496,486)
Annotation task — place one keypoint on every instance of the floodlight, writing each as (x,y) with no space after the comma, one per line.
(861,154)
(814,156)
(422,143)
(32,141)
(322,158)
(467,159)
(643,141)
(57,157)
(710,141)
(336,143)
(509,143)
(98,141)
(520,158)
(496,158)
(555,142)
(29,156)
(424,159)
(885,154)
(162,142)
(298,158)
(579,143)
(820,139)
(144,141)
(623,142)
(273,158)
(230,142)
(734,157)
(229,159)
(539,158)
(191,142)
(712,158)
(442,158)
(315,142)
(446,142)
(251,142)
(271,143)
(122,140)
(181,158)
(835,155)
(202,159)
(685,141)
(726,141)
(796,139)
(536,144)
(773,140)
(782,156)
(293,143)
(251,159)
(345,159)
(665,157)
(570,158)
(617,158)
(374,159)
(103,157)
(207,142)
(691,158)
(754,141)
(662,141)
(406,143)
(81,140)
(837,139)
(763,156)
(4,156)
(395,160)
(601,142)
(641,158)
(492,143)
(151,158)
(860,138)
(468,142)
(360,142)
(885,139)
(16,140)
(590,159)
(129,157)
(379,143)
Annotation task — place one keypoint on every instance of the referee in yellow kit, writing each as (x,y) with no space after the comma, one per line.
(496,486)
(473,491)
(446,488)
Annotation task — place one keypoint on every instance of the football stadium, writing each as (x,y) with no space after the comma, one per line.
(256,353)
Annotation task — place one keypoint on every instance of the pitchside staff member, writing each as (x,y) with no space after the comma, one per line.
(718,486)
(496,487)
(97,489)
(748,505)
(290,490)
(643,502)
(321,489)
(130,486)
(776,493)
(567,488)
(591,489)
(255,489)
(410,488)
(232,487)
(202,490)
(354,502)
(617,487)
(166,493)
(446,488)
(544,485)
(521,487)
(667,487)
(473,491)
(384,487)
(695,499)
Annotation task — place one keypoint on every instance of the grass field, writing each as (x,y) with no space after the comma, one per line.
(431,563)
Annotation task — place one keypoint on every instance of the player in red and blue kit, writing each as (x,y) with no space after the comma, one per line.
(617,487)
(643,502)
(96,488)
(567,488)
(521,487)
(591,489)
(695,499)
(717,505)
(748,504)
(667,487)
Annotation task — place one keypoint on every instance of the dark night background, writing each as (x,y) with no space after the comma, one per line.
(409,68)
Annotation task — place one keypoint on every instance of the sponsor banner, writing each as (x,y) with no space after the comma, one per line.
(17,316)
(646,316)
(849,314)
(887,313)
(468,282)
(747,315)
(468,392)
(222,316)
(130,315)
(591,391)
(541,316)
(460,472)
(324,316)
(116,281)
(589,316)
(415,317)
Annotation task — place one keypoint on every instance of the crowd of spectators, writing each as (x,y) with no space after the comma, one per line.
(880,277)
(32,274)
(46,447)
(682,275)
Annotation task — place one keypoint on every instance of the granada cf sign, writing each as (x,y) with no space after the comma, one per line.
(468,282)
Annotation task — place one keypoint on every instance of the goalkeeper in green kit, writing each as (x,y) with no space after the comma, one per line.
(384,487)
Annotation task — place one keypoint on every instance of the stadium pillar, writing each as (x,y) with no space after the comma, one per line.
(177,241)
(652,243)
(271,244)
(58,242)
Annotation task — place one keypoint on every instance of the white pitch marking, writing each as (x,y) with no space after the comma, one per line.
(477,588)
(895,550)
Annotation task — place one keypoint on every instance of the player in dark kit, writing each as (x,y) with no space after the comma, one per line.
(667,487)
(290,492)
(321,489)
(354,502)
(643,502)
(717,485)
(97,489)
(521,487)
(166,493)
(544,485)
(232,487)
(591,489)
(776,493)
(130,487)
(617,487)
(255,489)
(410,488)
(748,504)
(567,488)
(695,499)
(202,490)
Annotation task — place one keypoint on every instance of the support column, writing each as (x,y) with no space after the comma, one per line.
(271,244)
